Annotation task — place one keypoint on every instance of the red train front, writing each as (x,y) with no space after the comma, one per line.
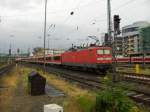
(98,58)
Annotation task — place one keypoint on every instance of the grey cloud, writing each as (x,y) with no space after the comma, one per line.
(19,4)
(28,28)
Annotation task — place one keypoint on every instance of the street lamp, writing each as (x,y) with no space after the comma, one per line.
(10,47)
(48,40)
(45,32)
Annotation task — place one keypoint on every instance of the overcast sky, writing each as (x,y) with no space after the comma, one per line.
(22,21)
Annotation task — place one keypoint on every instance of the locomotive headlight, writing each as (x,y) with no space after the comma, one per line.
(104,59)
(108,58)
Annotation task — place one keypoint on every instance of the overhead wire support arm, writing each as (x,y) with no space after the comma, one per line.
(95,38)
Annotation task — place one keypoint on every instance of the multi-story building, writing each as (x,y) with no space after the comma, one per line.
(131,38)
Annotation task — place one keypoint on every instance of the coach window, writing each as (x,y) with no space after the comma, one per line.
(57,58)
(48,58)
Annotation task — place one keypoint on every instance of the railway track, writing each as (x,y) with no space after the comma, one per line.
(95,83)
(92,81)
(136,78)
(5,69)
(140,97)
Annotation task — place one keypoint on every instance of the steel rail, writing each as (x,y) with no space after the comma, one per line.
(94,83)
(5,68)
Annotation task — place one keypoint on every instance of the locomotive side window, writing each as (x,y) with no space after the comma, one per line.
(104,51)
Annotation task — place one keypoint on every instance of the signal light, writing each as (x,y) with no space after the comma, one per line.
(117,24)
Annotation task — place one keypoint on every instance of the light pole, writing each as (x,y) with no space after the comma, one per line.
(112,40)
(45,32)
(10,48)
(48,40)
(109,20)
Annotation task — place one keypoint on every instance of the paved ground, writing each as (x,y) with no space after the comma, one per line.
(14,96)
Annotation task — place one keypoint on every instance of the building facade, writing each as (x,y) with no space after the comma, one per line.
(145,40)
(132,38)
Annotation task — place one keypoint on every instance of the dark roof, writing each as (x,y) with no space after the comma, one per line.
(34,74)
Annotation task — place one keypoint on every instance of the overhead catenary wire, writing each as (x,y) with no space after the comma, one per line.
(75,8)
(68,17)
(124,4)
(116,8)
(49,12)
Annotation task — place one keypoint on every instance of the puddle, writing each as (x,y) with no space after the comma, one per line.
(53,92)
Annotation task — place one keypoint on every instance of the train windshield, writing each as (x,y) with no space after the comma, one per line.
(103,51)
(106,51)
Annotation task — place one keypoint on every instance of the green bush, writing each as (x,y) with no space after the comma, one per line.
(113,99)
(86,103)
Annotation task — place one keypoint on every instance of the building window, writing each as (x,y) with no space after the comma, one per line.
(132,29)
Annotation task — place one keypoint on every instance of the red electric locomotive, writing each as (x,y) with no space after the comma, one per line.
(96,57)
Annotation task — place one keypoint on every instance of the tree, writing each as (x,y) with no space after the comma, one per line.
(38,50)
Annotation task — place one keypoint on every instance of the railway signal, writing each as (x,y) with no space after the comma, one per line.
(117,24)
(116,32)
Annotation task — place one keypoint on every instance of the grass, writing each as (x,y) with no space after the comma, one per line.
(2,64)
(9,83)
(86,102)
(145,71)
(132,70)
(77,99)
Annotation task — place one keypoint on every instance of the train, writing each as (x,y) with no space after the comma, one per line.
(133,60)
(98,58)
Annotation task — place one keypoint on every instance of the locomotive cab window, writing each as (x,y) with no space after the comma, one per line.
(106,51)
(100,52)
